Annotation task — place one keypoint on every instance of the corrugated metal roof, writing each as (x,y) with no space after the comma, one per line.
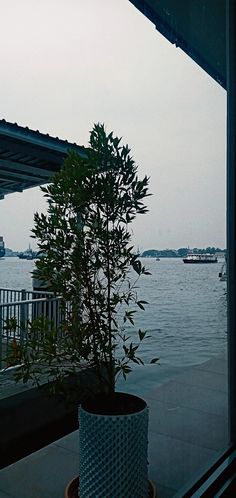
(29,158)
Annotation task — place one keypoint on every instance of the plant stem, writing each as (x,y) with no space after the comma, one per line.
(111,359)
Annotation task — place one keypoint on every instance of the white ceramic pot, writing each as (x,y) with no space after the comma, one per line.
(113,453)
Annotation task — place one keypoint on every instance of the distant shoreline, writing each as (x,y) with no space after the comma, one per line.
(181,252)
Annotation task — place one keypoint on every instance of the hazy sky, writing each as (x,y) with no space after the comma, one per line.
(66,64)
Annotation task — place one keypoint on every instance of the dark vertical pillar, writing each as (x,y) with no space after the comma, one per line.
(231,221)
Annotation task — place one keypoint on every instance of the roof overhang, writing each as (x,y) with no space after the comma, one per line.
(29,158)
(198,27)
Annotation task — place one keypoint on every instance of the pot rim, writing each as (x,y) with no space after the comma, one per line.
(96,405)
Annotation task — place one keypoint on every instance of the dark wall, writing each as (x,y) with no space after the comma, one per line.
(30,420)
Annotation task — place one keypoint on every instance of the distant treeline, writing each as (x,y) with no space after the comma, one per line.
(179,253)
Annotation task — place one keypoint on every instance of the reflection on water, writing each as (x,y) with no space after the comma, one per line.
(186,314)
(15,273)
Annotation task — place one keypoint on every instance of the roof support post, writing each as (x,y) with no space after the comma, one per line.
(231,212)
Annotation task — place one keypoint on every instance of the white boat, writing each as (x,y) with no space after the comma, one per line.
(200,258)
(28,254)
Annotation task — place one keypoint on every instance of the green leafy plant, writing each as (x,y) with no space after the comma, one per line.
(88,259)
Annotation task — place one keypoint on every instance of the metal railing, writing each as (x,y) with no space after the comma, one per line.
(12,295)
(16,317)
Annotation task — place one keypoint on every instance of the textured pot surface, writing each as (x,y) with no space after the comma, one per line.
(113,451)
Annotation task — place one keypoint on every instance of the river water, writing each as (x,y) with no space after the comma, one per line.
(186,314)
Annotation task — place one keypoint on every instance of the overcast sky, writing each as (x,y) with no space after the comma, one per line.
(66,64)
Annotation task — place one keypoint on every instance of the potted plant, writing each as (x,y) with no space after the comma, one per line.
(87,257)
